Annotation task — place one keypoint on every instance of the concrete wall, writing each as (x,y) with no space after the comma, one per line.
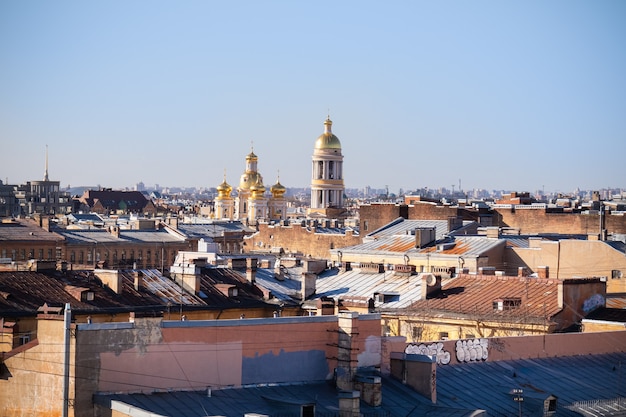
(450,352)
(572,258)
(34,386)
(154,355)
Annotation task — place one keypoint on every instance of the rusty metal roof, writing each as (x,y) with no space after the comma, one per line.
(475,294)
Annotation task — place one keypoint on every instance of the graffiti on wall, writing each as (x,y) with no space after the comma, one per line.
(472,350)
(434,349)
(593,302)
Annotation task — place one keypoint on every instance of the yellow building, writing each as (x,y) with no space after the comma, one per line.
(327,188)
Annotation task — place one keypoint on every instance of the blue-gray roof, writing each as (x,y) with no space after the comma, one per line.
(212,230)
(102,236)
(573,380)
(275,400)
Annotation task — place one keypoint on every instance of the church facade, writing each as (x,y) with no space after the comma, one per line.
(251,204)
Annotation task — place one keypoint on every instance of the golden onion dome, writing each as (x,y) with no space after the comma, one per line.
(258,187)
(327,140)
(224,189)
(249,179)
(278,190)
(251,156)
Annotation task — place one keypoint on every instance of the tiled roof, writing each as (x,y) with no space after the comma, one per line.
(475,294)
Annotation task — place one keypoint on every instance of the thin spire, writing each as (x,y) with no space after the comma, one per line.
(45,174)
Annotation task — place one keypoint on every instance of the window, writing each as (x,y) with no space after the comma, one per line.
(308,411)
(72,256)
(616,274)
(443,336)
(417,333)
(40,252)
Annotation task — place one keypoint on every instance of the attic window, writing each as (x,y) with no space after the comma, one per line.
(386,297)
(503,304)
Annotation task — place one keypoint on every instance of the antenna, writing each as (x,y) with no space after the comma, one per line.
(45,174)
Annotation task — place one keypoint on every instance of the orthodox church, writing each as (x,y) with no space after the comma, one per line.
(251,203)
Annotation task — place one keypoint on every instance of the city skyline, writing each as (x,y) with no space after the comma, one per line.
(519,96)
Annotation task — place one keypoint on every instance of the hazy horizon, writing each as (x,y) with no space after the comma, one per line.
(499,95)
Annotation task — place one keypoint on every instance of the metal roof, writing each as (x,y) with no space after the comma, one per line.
(538,299)
(405,244)
(102,236)
(358,287)
(212,230)
(580,384)
(398,400)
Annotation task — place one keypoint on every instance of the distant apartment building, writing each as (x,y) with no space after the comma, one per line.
(35,197)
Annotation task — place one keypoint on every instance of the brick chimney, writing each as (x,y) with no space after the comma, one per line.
(251,266)
(308,284)
(138,279)
(349,404)
(543,272)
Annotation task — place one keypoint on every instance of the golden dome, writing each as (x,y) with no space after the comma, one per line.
(257,189)
(278,190)
(224,189)
(249,179)
(251,156)
(327,140)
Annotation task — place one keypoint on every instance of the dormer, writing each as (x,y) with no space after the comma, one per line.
(80,293)
(228,290)
(505,304)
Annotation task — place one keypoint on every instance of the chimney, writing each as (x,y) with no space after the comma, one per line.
(138,278)
(110,278)
(424,236)
(430,284)
(115,231)
(522,271)
(45,223)
(349,404)
(543,272)
(346,351)
(251,265)
(417,371)
(308,284)
(370,388)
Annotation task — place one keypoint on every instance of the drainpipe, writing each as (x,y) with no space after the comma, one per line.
(66,360)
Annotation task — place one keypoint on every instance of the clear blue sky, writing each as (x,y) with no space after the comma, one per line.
(516,95)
